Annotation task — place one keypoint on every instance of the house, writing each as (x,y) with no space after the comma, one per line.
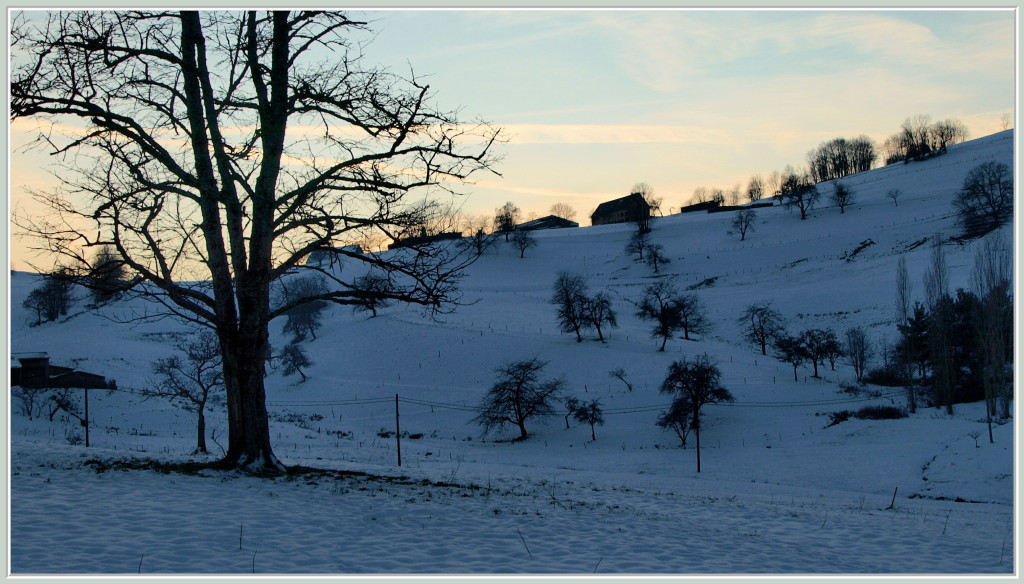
(35,370)
(628,209)
(549,222)
(329,254)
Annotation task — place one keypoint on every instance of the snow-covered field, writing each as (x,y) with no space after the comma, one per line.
(779,492)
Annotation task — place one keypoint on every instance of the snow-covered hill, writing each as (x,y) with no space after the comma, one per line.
(779,491)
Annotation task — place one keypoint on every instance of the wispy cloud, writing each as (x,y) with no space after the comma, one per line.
(613,134)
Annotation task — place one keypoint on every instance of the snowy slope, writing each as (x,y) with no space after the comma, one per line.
(779,492)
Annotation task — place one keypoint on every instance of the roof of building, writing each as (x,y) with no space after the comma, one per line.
(549,222)
(629,202)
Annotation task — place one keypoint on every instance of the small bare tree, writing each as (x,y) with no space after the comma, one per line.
(697,383)
(743,222)
(598,312)
(761,324)
(842,196)
(563,210)
(639,242)
(894,194)
(523,240)
(858,350)
(656,256)
(570,296)
(293,359)
(661,303)
(755,188)
(590,413)
(517,396)
(193,381)
(620,374)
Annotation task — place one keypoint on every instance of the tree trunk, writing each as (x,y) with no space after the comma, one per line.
(201,430)
(248,422)
(696,430)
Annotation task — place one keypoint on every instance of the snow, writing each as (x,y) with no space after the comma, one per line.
(780,491)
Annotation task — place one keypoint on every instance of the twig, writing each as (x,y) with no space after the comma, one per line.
(893,498)
(524,542)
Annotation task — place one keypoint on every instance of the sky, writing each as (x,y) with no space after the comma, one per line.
(593,101)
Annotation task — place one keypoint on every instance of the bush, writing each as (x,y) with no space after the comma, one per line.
(881,413)
(885,376)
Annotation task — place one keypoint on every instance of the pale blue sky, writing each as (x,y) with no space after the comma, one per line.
(597,100)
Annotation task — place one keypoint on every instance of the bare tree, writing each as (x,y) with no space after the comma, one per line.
(991,280)
(523,240)
(283,142)
(940,326)
(818,345)
(945,133)
(700,195)
(985,200)
(761,324)
(743,222)
(293,359)
(506,218)
(662,305)
(773,184)
(656,256)
(755,188)
(696,383)
(590,413)
(639,242)
(842,196)
(598,311)
(693,317)
(792,350)
(304,318)
(894,194)
(647,191)
(903,292)
(798,191)
(193,382)
(563,210)
(858,350)
(108,275)
(570,296)
(620,374)
(52,298)
(517,396)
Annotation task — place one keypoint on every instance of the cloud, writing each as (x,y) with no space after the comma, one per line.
(613,134)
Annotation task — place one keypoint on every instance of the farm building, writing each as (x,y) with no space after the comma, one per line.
(549,222)
(627,209)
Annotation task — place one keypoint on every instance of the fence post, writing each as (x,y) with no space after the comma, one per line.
(85,390)
(398,433)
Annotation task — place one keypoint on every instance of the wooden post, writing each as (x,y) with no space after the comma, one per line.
(398,433)
(86,421)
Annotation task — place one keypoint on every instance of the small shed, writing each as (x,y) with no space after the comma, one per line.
(628,209)
(35,370)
